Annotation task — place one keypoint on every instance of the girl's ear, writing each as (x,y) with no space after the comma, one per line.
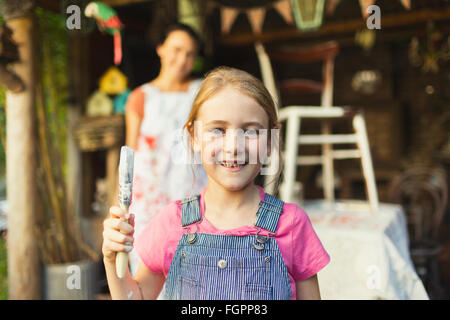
(159,49)
(195,133)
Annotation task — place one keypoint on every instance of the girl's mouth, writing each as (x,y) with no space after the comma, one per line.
(232,166)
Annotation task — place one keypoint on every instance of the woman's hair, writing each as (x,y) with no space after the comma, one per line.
(179,27)
(226,77)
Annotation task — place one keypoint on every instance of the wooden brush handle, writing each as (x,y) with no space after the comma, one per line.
(122,257)
(121,264)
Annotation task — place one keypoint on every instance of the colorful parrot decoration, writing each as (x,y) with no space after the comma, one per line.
(107,20)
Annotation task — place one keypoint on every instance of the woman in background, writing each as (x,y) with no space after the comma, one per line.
(155,115)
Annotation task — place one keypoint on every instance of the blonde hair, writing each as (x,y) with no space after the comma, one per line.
(226,77)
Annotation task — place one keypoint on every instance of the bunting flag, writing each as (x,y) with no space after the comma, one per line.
(256,17)
(406,4)
(364,5)
(228,15)
(284,9)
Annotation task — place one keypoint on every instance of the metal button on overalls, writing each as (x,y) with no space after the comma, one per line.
(222,264)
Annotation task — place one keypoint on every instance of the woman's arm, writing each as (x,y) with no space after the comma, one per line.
(307,289)
(133,122)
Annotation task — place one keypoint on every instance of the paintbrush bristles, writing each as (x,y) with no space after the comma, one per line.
(125,175)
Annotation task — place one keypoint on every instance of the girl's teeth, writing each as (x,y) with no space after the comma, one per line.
(230,165)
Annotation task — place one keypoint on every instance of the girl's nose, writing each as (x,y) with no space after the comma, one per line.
(183,58)
(234,142)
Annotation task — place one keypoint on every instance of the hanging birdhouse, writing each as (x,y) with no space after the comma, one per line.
(308,14)
(120,102)
(99,104)
(113,81)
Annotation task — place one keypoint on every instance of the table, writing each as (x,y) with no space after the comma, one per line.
(369,252)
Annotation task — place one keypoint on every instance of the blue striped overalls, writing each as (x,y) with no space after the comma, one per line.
(224,267)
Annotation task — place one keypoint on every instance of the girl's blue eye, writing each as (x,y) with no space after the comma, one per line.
(251,133)
(217,131)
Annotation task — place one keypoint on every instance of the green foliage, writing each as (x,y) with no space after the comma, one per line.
(53,73)
(3,270)
(53,70)
(3,126)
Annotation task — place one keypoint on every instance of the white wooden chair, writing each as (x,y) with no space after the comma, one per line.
(292,116)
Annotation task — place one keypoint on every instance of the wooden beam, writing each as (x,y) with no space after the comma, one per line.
(51,5)
(56,6)
(117,3)
(338,27)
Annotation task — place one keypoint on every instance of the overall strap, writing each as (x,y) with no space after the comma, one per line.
(269,212)
(190,211)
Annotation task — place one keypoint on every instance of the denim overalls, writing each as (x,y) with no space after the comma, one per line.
(225,267)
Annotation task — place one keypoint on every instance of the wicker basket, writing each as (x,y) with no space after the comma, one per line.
(97,133)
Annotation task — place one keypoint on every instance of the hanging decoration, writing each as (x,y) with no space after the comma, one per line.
(308,14)
(366,82)
(365,38)
(366,3)
(284,9)
(228,15)
(406,4)
(99,105)
(120,101)
(255,15)
(107,20)
(113,81)
(332,4)
(427,53)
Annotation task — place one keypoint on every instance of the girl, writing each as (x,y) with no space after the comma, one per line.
(232,241)
(154,112)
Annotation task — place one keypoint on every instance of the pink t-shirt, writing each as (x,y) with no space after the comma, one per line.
(301,249)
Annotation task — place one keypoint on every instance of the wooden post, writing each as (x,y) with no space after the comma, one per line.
(327,149)
(24,280)
(359,125)
(290,173)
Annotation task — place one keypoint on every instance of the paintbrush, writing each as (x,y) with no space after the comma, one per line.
(125,185)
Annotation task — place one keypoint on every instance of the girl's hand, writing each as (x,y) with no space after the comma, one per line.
(117,234)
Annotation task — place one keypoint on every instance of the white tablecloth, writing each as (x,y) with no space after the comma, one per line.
(369,253)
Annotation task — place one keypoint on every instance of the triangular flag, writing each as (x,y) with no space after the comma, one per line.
(364,4)
(284,8)
(406,3)
(256,17)
(331,6)
(228,15)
